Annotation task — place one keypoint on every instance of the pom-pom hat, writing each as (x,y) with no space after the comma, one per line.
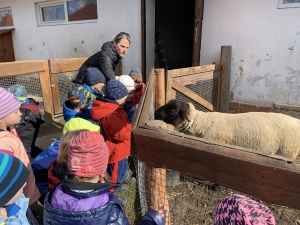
(13,175)
(88,155)
(9,103)
(127,81)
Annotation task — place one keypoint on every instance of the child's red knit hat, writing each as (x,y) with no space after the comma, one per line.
(88,155)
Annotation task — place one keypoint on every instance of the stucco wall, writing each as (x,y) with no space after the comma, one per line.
(76,40)
(265,48)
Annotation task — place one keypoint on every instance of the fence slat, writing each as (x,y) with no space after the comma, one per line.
(193,70)
(10,69)
(184,90)
(65,65)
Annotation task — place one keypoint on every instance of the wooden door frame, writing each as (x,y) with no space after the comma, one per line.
(199,8)
(143,41)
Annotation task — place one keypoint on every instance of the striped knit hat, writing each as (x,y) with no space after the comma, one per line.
(13,175)
(8,103)
(88,155)
(239,209)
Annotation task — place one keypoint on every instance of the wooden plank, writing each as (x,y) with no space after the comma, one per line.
(142,115)
(226,53)
(46,91)
(160,97)
(193,78)
(287,107)
(11,69)
(168,86)
(159,198)
(268,179)
(187,92)
(55,94)
(66,65)
(193,70)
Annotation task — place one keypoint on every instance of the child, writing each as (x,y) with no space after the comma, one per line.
(116,128)
(83,197)
(31,119)
(13,204)
(78,104)
(49,167)
(129,106)
(9,116)
(136,75)
(95,82)
(239,209)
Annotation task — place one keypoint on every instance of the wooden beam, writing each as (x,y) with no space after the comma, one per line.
(287,107)
(46,91)
(193,78)
(12,69)
(266,178)
(160,97)
(226,53)
(168,86)
(143,111)
(65,65)
(193,70)
(55,94)
(187,92)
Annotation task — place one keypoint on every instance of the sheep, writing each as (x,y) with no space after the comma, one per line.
(271,133)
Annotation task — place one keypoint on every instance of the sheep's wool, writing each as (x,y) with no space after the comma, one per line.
(271,133)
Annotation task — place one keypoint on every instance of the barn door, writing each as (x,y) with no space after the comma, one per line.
(6,46)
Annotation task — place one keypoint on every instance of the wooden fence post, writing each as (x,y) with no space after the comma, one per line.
(157,175)
(225,80)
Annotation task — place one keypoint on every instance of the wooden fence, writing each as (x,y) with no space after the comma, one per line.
(272,179)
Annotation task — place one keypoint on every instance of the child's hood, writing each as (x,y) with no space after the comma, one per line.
(103,109)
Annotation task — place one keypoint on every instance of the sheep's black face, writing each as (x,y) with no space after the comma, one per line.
(173,112)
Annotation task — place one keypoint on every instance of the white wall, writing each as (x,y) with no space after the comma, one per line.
(76,40)
(265,48)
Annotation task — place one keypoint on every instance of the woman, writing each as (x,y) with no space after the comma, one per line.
(106,60)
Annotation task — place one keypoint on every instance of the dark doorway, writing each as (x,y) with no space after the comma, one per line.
(174,23)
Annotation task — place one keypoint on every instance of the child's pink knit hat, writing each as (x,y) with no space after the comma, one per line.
(9,103)
(239,209)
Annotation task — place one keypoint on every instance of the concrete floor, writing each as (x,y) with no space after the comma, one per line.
(48,133)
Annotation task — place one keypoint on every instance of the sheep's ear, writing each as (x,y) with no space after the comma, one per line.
(173,109)
(184,111)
